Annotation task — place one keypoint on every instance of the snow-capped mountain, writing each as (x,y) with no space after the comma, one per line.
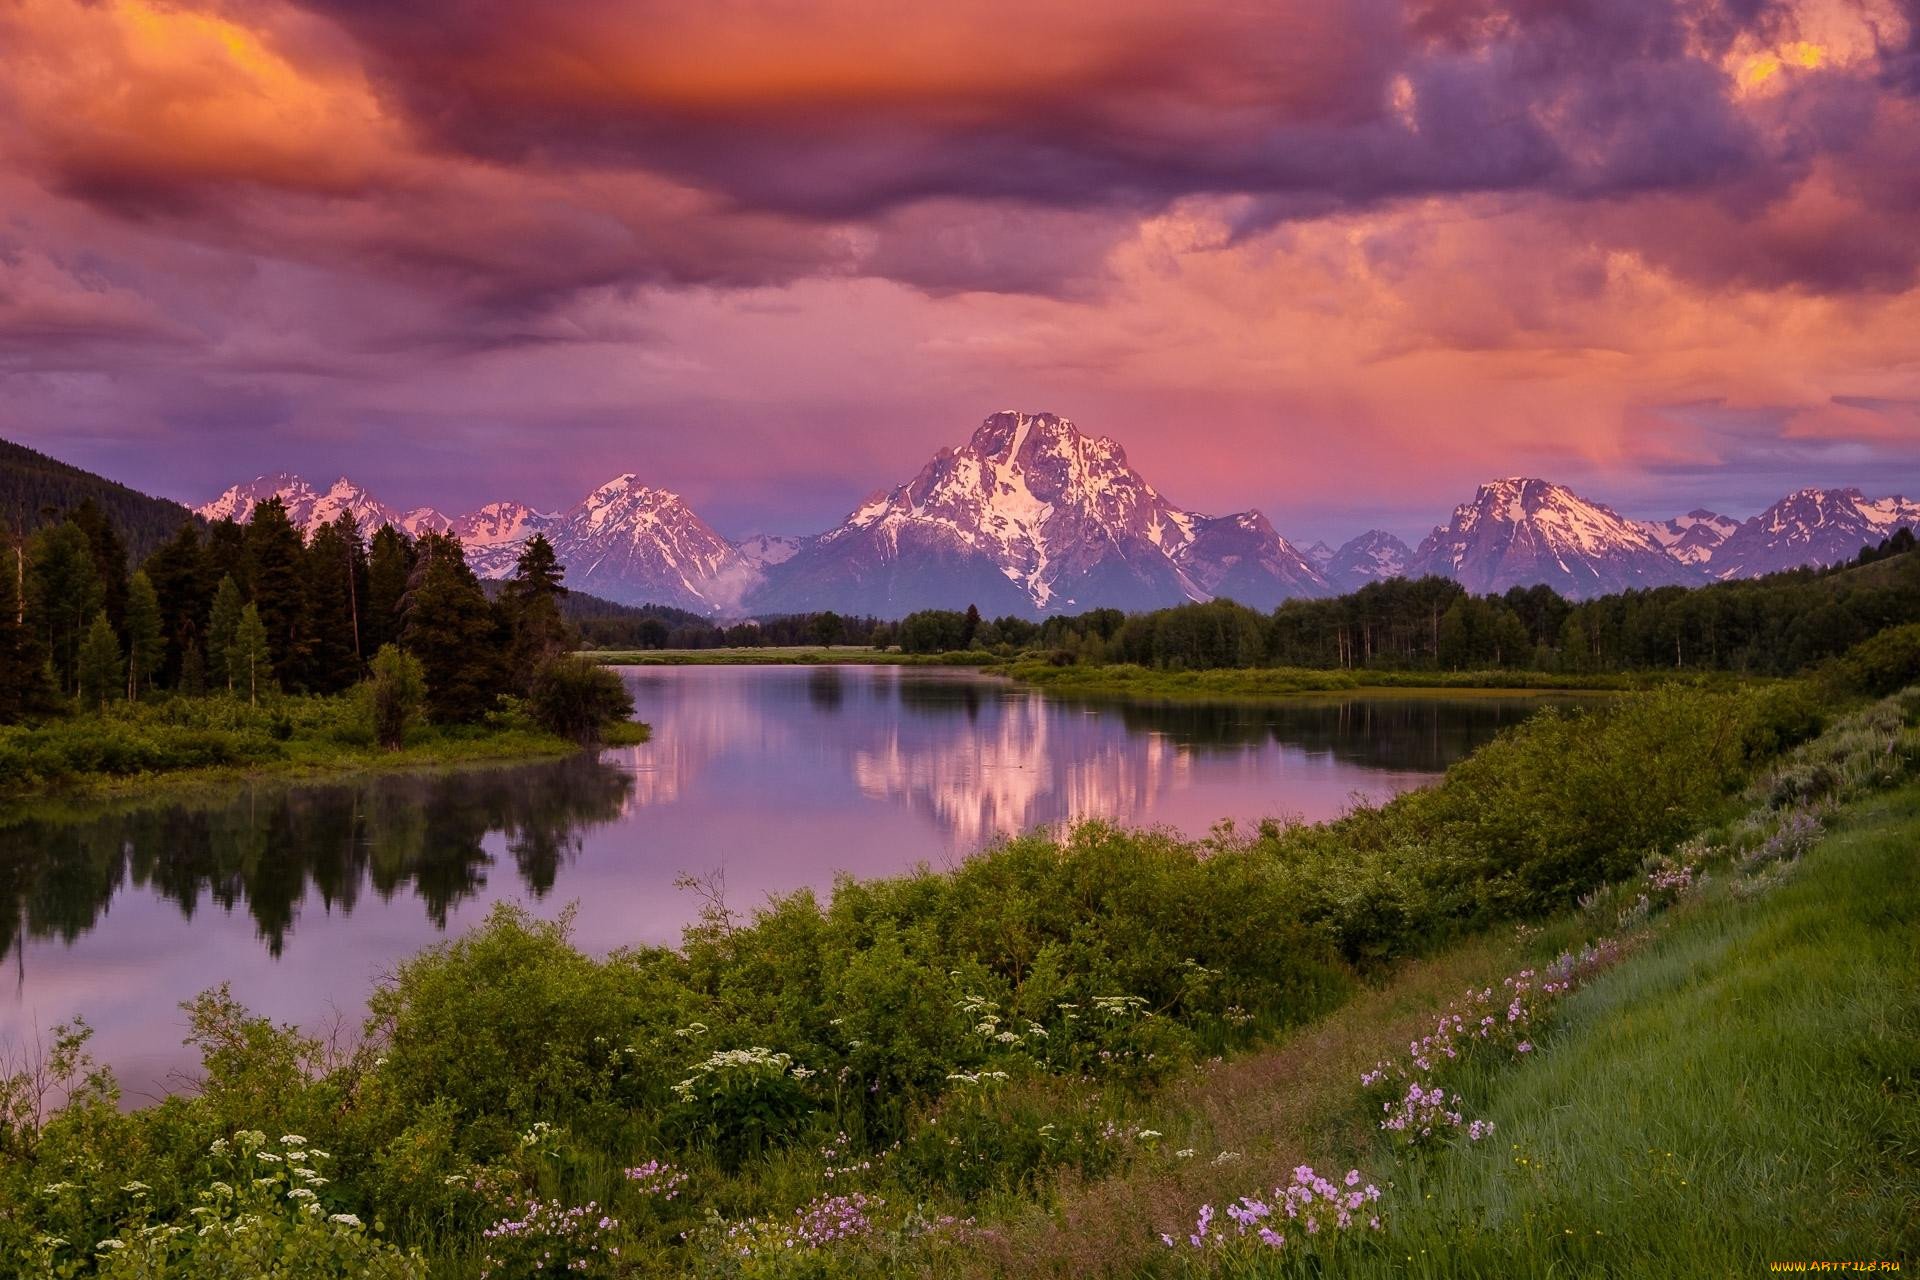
(309,507)
(1032,516)
(1810,526)
(1240,557)
(494,535)
(624,541)
(1371,557)
(1519,532)
(1693,537)
(636,544)
(762,549)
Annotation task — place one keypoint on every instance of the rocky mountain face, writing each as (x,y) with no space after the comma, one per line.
(1032,516)
(309,507)
(1693,537)
(1810,526)
(624,541)
(1372,557)
(1519,532)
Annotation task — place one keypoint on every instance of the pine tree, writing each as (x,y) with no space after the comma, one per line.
(102,669)
(23,683)
(109,558)
(531,604)
(193,672)
(146,636)
(276,563)
(63,595)
(336,585)
(223,627)
(390,561)
(454,632)
(179,573)
(226,552)
(250,657)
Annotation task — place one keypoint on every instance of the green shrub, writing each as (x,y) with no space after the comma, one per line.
(577,699)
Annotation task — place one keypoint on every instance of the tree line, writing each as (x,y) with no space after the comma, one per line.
(1774,625)
(259,609)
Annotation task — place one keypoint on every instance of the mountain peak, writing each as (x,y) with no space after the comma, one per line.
(1522,530)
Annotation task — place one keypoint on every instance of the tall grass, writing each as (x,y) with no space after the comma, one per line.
(1746,1090)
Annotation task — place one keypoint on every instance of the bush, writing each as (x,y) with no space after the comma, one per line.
(1882,665)
(577,699)
(395,695)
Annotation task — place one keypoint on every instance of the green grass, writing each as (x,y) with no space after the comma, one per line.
(1127,680)
(789,655)
(1744,1090)
(189,741)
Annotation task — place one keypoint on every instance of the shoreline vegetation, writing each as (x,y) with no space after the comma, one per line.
(238,649)
(1046,1058)
(128,750)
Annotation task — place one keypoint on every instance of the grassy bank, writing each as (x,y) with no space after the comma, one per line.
(789,655)
(840,1088)
(1745,1090)
(185,741)
(1126,680)
(1727,1081)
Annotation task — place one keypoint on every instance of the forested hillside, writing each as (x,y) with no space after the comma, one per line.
(36,490)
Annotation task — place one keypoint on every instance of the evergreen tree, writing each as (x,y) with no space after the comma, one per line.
(109,558)
(531,604)
(336,586)
(390,562)
(223,627)
(23,681)
(250,657)
(276,564)
(146,636)
(179,573)
(972,628)
(453,630)
(102,668)
(226,552)
(63,595)
(193,672)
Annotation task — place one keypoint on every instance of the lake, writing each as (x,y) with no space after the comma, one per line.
(762,780)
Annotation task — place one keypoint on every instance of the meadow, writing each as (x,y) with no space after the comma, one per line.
(1041,1062)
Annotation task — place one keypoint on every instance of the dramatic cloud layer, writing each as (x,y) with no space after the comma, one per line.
(1332,260)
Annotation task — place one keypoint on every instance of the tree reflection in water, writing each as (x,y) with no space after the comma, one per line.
(263,845)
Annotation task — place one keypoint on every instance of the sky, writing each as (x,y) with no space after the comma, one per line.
(1338,261)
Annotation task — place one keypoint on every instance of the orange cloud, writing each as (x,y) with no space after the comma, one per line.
(127,94)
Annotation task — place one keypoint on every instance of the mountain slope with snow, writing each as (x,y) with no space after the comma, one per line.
(1372,557)
(1520,532)
(1692,538)
(1811,526)
(1032,516)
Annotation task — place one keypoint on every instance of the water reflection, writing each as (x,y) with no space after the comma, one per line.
(264,847)
(779,777)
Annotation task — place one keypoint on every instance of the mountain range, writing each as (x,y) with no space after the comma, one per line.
(1033,516)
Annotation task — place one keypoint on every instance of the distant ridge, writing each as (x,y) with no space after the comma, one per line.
(31,484)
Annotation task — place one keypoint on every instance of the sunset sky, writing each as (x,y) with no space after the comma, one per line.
(1337,261)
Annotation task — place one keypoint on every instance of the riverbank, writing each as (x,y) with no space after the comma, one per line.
(926,1058)
(1723,1079)
(190,742)
(1126,680)
(789,655)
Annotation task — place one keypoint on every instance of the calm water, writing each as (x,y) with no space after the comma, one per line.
(774,778)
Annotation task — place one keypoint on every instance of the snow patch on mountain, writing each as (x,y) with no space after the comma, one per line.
(1521,531)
